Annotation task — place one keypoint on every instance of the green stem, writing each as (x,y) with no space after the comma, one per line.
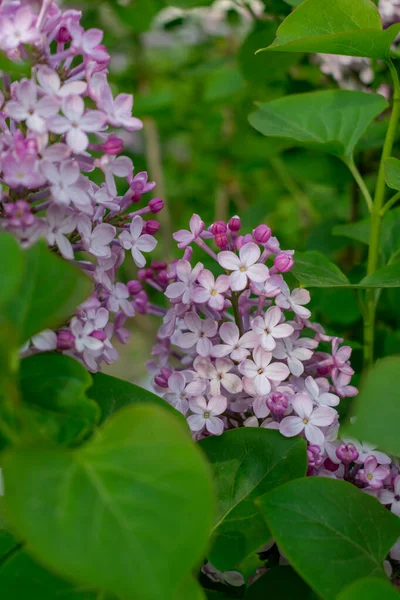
(376,220)
(236,312)
(361,184)
(390,203)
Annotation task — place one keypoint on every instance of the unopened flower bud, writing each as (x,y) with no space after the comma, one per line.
(141,302)
(277,403)
(262,233)
(113,146)
(63,36)
(314,456)
(347,453)
(159,265)
(99,335)
(162,378)
(235,224)
(156,205)
(330,465)
(134,287)
(145,274)
(151,227)
(221,240)
(218,228)
(65,340)
(163,277)
(283,262)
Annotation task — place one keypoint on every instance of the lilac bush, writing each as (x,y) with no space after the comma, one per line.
(59,124)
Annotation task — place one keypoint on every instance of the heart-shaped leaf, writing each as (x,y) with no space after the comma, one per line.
(378,406)
(335,27)
(112,394)
(314,269)
(246,463)
(54,401)
(392,173)
(36,305)
(369,588)
(12,269)
(130,512)
(332,121)
(331,532)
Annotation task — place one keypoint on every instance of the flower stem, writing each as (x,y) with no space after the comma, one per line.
(376,221)
(361,184)
(236,311)
(390,203)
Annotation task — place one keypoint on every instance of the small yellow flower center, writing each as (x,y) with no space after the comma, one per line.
(370,476)
(242,269)
(260,371)
(206,415)
(214,293)
(305,421)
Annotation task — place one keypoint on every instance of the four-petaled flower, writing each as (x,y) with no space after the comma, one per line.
(185,237)
(200,332)
(373,474)
(212,290)
(206,414)
(308,419)
(262,371)
(243,268)
(235,346)
(137,242)
(269,328)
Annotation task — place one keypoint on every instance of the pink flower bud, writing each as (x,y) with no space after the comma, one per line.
(156,205)
(65,340)
(159,265)
(235,224)
(141,302)
(113,146)
(99,335)
(163,277)
(162,378)
(144,274)
(277,403)
(262,233)
(347,453)
(63,36)
(151,227)
(218,228)
(283,262)
(244,239)
(330,465)
(221,240)
(314,456)
(134,287)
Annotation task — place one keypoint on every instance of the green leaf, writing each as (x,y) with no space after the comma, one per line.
(314,269)
(293,2)
(55,405)
(246,464)
(392,173)
(36,305)
(138,494)
(223,83)
(359,231)
(332,121)
(112,394)
(386,277)
(282,583)
(378,406)
(369,588)
(331,532)
(12,269)
(336,27)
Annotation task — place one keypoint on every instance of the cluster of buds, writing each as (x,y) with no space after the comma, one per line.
(237,348)
(59,124)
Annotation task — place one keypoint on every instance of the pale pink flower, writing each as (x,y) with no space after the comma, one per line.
(87,42)
(65,184)
(137,242)
(76,123)
(212,290)
(309,420)
(295,352)
(46,341)
(118,300)
(185,237)
(218,374)
(176,397)
(262,372)
(237,347)
(59,226)
(19,30)
(50,84)
(96,241)
(183,289)
(341,356)
(388,497)
(318,398)
(200,332)
(118,166)
(28,108)
(373,474)
(205,414)
(83,338)
(342,387)
(365,450)
(294,301)
(243,268)
(268,328)
(118,111)
(21,171)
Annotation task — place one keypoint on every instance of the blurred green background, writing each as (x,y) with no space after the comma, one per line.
(196,78)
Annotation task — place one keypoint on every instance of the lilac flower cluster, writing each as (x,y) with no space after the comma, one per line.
(55,130)
(354,73)
(237,348)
